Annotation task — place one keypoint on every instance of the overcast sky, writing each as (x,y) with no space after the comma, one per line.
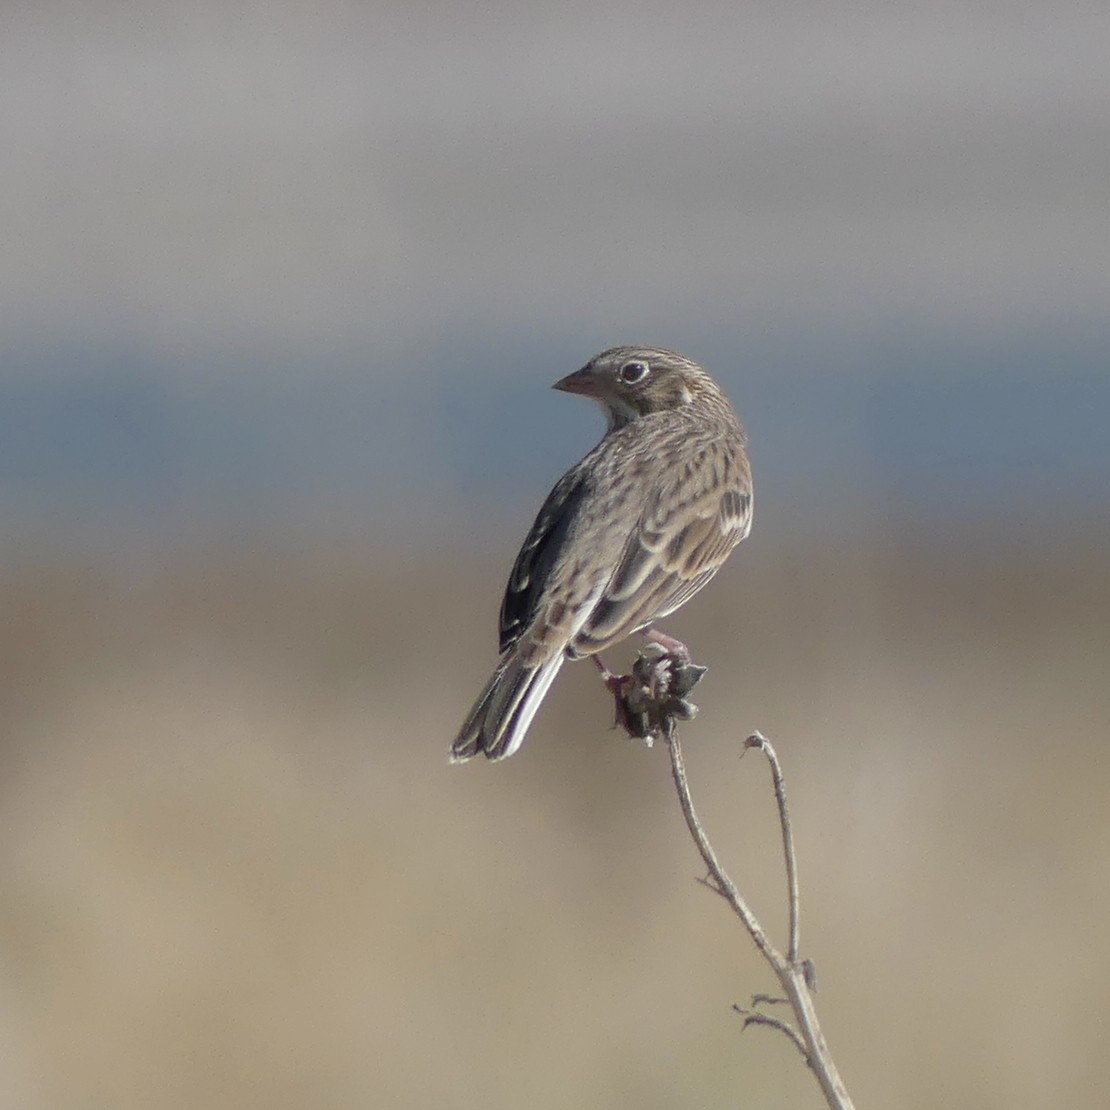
(281,178)
(276,253)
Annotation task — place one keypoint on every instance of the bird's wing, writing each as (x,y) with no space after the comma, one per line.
(698,513)
(538,554)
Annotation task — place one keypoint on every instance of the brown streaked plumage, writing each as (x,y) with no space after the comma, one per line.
(627,535)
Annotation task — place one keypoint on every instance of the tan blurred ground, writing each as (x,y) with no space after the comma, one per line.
(238,871)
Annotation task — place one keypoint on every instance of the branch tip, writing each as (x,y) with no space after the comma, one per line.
(756,740)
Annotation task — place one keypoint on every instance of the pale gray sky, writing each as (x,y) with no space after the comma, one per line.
(273,257)
(281,179)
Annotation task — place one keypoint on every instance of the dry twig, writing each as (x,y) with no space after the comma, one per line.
(653,699)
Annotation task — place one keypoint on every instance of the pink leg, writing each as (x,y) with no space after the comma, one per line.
(668,643)
(615,684)
(600,664)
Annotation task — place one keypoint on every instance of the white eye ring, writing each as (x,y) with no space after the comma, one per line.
(632,372)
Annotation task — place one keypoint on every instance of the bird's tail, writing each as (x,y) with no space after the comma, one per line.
(504,710)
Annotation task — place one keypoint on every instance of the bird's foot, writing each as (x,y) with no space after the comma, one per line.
(654,694)
(669,644)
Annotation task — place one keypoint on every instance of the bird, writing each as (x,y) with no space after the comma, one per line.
(625,537)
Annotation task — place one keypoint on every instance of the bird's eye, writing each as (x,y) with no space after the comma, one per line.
(633,372)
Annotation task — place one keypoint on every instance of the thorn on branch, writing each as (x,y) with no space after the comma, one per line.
(710,884)
(755,1017)
(809,974)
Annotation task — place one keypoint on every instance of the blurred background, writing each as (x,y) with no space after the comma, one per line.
(282,293)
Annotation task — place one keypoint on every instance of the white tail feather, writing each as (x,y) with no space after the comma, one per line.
(497,724)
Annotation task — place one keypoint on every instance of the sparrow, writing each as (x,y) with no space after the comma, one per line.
(626,536)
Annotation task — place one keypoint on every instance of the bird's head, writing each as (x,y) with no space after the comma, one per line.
(630,382)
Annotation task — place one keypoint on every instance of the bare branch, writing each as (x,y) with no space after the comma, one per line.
(724,883)
(649,703)
(795,975)
(758,740)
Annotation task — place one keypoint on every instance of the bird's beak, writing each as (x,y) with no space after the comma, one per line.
(581,381)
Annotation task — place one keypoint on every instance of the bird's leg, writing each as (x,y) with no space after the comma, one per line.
(613,682)
(617,685)
(606,674)
(674,648)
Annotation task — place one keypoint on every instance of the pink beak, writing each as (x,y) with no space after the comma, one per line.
(581,381)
